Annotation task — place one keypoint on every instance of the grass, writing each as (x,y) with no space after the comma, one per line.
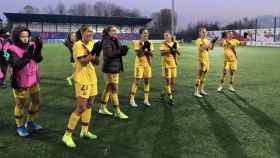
(245,124)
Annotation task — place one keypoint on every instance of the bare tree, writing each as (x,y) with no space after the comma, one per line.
(162,21)
(81,9)
(60,8)
(28,9)
(49,10)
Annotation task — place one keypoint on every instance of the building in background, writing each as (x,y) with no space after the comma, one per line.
(55,27)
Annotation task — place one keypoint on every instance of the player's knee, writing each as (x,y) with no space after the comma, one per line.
(114,88)
(36,101)
(81,108)
(137,81)
(19,103)
(146,80)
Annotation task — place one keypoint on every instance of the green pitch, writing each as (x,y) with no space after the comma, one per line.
(246,124)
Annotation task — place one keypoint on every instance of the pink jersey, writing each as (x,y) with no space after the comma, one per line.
(28,75)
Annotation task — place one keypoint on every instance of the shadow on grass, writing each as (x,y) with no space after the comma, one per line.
(260,118)
(222,131)
(166,143)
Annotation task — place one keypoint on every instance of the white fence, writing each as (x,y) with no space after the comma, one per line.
(256,37)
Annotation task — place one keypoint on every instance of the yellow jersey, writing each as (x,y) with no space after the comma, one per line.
(229,49)
(85,75)
(141,61)
(202,54)
(168,61)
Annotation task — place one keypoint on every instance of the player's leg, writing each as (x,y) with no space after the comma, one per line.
(86,117)
(105,99)
(204,70)
(33,108)
(146,91)
(167,86)
(81,103)
(147,77)
(20,99)
(233,68)
(173,79)
(115,101)
(4,68)
(202,83)
(198,84)
(223,76)
(138,75)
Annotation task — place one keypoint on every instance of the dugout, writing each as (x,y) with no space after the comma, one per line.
(50,26)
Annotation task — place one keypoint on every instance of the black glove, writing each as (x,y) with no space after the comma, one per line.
(2,58)
(38,41)
(223,34)
(174,48)
(29,52)
(97,48)
(147,45)
(245,35)
(213,41)
(124,50)
(96,61)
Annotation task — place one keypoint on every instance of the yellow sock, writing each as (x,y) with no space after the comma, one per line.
(146,91)
(73,120)
(33,109)
(223,77)
(198,82)
(115,100)
(134,89)
(86,115)
(201,84)
(167,89)
(18,112)
(105,97)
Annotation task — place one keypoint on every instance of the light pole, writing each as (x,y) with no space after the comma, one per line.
(173,17)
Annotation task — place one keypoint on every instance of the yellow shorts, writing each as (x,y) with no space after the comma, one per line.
(204,64)
(230,65)
(169,72)
(141,72)
(85,91)
(111,78)
(24,93)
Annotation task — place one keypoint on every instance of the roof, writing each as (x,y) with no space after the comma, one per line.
(51,18)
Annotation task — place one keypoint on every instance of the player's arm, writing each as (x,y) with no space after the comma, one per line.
(18,63)
(79,54)
(138,49)
(163,50)
(108,50)
(38,49)
(205,47)
(178,48)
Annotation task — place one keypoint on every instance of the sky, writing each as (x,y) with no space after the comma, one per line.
(189,11)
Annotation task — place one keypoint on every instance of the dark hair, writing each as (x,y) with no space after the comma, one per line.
(202,29)
(16,33)
(172,37)
(142,30)
(69,36)
(82,30)
(107,30)
(5,32)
